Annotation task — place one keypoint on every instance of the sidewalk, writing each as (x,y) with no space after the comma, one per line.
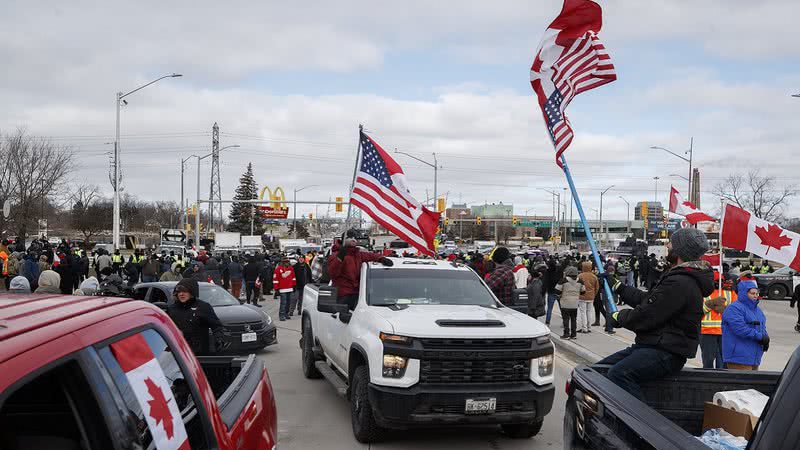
(596,345)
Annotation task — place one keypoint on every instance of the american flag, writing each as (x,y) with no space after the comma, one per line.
(381,191)
(570,60)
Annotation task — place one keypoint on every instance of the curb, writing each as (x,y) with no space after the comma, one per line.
(577,350)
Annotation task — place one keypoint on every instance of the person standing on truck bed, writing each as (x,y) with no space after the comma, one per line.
(195,317)
(501,279)
(666,319)
(344,268)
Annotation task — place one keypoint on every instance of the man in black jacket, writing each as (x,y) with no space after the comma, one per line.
(666,319)
(195,317)
(251,271)
(302,272)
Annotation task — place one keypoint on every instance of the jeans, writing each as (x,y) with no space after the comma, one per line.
(585,313)
(569,317)
(149,279)
(711,351)
(293,302)
(250,289)
(300,299)
(640,363)
(286,298)
(552,298)
(236,288)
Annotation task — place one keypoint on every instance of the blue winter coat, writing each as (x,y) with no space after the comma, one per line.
(743,326)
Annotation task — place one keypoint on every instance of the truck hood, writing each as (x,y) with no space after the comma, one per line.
(421,321)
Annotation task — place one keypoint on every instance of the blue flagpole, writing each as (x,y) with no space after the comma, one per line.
(611,304)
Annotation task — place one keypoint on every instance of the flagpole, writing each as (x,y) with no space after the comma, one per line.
(721,252)
(355,172)
(600,269)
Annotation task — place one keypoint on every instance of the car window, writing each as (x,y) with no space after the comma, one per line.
(434,287)
(158,295)
(155,391)
(140,293)
(216,296)
(57,409)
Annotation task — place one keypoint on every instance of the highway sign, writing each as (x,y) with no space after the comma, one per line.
(172,235)
(526,224)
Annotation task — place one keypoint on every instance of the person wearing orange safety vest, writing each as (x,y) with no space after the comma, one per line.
(711,324)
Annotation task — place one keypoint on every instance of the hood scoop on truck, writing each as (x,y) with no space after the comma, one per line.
(470,323)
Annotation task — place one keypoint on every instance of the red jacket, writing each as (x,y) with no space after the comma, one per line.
(284,278)
(345,275)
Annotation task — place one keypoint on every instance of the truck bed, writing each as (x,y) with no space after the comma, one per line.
(671,415)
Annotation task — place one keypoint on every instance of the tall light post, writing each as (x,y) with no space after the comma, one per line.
(556,213)
(462,213)
(120,97)
(601,215)
(656,180)
(628,216)
(294,209)
(184,217)
(435,166)
(197,214)
(689,152)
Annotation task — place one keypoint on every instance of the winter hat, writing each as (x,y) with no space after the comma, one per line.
(746,285)
(20,285)
(500,255)
(571,272)
(49,278)
(517,260)
(689,244)
(89,286)
(189,284)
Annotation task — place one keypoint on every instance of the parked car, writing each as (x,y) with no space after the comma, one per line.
(247,328)
(778,285)
(115,373)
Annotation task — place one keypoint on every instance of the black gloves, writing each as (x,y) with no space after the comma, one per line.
(765,342)
(611,320)
(342,252)
(386,262)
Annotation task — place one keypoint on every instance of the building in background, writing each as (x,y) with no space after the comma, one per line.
(649,211)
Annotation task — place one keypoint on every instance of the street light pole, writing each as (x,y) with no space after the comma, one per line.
(183,199)
(435,166)
(656,180)
(197,214)
(601,215)
(294,208)
(120,97)
(628,216)
(689,160)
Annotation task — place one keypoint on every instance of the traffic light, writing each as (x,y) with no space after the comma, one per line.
(440,204)
(478,220)
(514,221)
(310,216)
(339,204)
(446,221)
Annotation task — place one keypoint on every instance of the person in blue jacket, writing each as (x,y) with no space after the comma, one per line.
(744,329)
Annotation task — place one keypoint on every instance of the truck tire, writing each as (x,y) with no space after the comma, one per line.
(365,429)
(523,430)
(309,369)
(777,292)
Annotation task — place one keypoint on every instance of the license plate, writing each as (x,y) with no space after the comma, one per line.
(249,337)
(480,406)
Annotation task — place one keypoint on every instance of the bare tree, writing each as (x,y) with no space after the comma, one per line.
(90,213)
(34,170)
(757,194)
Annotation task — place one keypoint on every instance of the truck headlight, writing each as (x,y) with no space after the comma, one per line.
(395,338)
(545,364)
(394,366)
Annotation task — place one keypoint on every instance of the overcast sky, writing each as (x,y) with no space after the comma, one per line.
(290,82)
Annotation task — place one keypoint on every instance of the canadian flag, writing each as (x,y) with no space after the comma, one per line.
(153,393)
(712,258)
(741,230)
(686,209)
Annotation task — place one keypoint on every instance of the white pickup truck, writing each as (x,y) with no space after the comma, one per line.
(428,344)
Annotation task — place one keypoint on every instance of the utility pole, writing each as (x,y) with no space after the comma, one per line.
(215,209)
(601,215)
(628,216)
(184,204)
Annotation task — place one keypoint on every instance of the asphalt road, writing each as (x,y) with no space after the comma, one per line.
(312,416)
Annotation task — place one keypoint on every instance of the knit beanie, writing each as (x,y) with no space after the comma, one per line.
(571,272)
(689,244)
(500,255)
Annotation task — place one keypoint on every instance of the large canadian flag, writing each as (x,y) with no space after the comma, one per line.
(741,230)
(686,209)
(153,392)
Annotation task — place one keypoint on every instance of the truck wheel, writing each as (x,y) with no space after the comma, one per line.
(365,429)
(309,369)
(523,430)
(777,292)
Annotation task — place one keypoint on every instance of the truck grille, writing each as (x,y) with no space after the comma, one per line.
(474,371)
(475,344)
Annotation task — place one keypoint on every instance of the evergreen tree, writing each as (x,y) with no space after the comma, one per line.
(241,212)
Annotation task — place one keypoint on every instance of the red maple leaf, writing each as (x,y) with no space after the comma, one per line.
(773,237)
(159,410)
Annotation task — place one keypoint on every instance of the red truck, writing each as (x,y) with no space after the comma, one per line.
(114,373)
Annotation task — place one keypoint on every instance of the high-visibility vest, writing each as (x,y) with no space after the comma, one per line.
(764,269)
(4,257)
(116,259)
(712,320)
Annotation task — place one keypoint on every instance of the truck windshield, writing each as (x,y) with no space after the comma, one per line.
(426,287)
